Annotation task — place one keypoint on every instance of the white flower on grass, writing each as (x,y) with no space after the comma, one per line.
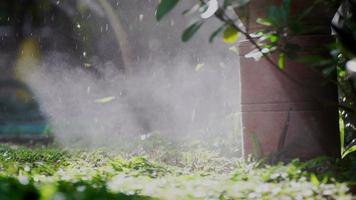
(27,168)
(23,180)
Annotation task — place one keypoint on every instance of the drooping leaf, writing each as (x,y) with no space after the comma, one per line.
(282,61)
(231,35)
(191,30)
(348,151)
(164,7)
(216,33)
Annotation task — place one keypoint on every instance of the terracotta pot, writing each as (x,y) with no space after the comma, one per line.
(268,97)
(318,21)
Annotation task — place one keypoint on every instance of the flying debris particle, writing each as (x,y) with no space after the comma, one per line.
(199,66)
(78,25)
(105,99)
(140,17)
(222,65)
(87,65)
(84,54)
(233,49)
(193,115)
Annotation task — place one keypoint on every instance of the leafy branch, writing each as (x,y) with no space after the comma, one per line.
(278,18)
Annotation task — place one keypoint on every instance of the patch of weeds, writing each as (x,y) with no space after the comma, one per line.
(190,174)
(140,166)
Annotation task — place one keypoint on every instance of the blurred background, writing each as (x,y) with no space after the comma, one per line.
(94,72)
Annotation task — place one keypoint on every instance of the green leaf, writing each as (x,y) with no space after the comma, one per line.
(264,21)
(191,30)
(325,179)
(216,33)
(231,35)
(348,151)
(164,7)
(314,180)
(282,61)
(274,38)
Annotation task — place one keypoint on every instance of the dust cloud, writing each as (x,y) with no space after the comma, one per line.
(175,89)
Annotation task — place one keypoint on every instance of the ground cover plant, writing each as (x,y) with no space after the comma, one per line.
(154,168)
(53,173)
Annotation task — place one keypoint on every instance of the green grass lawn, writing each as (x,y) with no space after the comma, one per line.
(51,173)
